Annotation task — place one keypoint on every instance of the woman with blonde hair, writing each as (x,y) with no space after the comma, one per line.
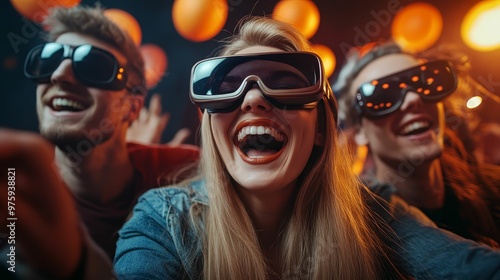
(276,198)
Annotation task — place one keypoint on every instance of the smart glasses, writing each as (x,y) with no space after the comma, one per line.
(287,80)
(93,66)
(433,81)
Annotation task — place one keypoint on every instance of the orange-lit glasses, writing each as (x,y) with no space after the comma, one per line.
(433,81)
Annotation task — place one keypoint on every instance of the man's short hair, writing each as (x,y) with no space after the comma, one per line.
(91,21)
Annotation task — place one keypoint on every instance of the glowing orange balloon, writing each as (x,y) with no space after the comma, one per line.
(126,22)
(417,27)
(155,63)
(199,20)
(480,26)
(37,10)
(327,57)
(303,14)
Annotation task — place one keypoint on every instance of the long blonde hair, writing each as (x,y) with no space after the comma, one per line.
(328,235)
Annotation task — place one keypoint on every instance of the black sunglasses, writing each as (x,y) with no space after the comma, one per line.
(288,80)
(93,66)
(433,81)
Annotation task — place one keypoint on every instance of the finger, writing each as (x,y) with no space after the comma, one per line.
(163,121)
(180,137)
(157,126)
(144,115)
(155,105)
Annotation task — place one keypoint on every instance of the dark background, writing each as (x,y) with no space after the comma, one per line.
(340,25)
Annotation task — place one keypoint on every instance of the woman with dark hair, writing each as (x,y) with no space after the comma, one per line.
(393,101)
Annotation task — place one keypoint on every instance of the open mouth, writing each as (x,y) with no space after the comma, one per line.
(260,141)
(60,104)
(415,128)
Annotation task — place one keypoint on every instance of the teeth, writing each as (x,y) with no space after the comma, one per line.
(60,102)
(260,130)
(414,126)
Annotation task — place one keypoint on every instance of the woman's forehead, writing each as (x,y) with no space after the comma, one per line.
(259,49)
(384,66)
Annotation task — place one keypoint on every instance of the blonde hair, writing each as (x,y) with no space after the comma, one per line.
(328,235)
(93,22)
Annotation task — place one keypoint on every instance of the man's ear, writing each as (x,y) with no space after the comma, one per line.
(136,102)
(360,137)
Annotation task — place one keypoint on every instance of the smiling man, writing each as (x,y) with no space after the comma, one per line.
(90,89)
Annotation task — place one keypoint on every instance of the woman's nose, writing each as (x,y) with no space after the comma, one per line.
(254,100)
(412,100)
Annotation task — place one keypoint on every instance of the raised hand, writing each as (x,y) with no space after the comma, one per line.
(37,205)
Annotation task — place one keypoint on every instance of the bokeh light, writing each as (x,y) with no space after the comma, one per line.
(199,20)
(155,63)
(417,27)
(474,102)
(126,22)
(327,56)
(480,26)
(303,14)
(37,10)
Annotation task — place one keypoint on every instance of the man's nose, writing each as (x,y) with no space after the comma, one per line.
(63,73)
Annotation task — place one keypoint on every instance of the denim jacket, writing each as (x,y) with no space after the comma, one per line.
(161,242)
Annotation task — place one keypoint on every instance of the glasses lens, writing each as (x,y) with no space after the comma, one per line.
(437,81)
(93,65)
(433,81)
(275,76)
(43,60)
(381,95)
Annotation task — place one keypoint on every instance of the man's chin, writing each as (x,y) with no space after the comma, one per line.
(68,141)
(60,139)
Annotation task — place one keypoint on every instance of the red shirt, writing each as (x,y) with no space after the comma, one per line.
(159,165)
(154,165)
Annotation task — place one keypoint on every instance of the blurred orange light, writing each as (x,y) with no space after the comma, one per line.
(155,63)
(327,56)
(37,10)
(303,14)
(199,20)
(417,26)
(361,154)
(480,26)
(126,22)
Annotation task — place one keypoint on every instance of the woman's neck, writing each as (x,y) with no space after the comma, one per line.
(268,212)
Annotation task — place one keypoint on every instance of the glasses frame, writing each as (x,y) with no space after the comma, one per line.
(360,99)
(116,81)
(290,99)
